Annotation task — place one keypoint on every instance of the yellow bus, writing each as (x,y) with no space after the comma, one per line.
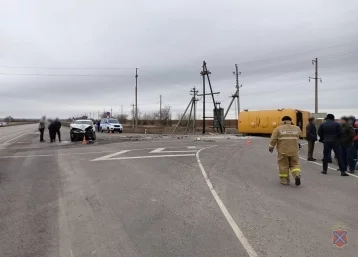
(265,121)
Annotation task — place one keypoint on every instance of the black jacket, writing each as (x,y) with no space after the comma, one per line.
(348,134)
(56,125)
(311,132)
(330,132)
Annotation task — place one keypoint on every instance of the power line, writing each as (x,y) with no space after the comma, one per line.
(62,75)
(65,68)
(317,49)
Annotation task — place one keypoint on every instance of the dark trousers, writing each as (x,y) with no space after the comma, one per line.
(354,153)
(42,130)
(310,149)
(58,133)
(347,158)
(327,149)
(98,127)
(52,135)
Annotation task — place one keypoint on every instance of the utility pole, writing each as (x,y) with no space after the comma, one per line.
(206,73)
(136,97)
(133,117)
(237,73)
(122,110)
(203,73)
(160,108)
(194,91)
(316,78)
(111,112)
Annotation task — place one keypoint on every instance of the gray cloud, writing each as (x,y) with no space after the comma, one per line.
(273,44)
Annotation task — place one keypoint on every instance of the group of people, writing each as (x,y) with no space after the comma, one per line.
(340,137)
(54,127)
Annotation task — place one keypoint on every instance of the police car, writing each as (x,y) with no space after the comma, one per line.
(81,128)
(111,125)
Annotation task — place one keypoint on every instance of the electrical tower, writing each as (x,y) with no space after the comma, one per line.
(205,73)
(316,78)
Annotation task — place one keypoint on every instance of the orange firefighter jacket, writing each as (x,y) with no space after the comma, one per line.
(286,138)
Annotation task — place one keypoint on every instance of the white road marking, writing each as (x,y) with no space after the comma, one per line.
(109,157)
(16,137)
(144,157)
(158,150)
(243,240)
(304,144)
(191,147)
(161,150)
(320,164)
(84,153)
(24,156)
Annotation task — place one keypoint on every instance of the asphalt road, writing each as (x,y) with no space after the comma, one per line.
(162,196)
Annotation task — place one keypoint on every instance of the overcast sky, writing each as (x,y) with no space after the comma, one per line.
(63,58)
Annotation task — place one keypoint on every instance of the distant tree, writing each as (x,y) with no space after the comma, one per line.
(123,118)
(8,119)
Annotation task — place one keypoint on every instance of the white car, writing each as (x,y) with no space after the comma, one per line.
(111,125)
(81,128)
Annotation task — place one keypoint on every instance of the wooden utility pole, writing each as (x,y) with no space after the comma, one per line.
(133,115)
(136,97)
(316,78)
(160,108)
(203,73)
(237,73)
(194,91)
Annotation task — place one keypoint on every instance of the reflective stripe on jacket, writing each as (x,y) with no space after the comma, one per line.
(286,137)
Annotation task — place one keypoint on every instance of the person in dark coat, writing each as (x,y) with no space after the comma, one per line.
(98,125)
(330,133)
(311,137)
(51,130)
(330,155)
(57,127)
(346,145)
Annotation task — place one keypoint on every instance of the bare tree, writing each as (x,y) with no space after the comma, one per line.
(123,118)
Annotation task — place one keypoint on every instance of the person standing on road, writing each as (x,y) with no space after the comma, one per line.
(286,138)
(57,127)
(98,125)
(330,133)
(42,125)
(346,145)
(51,130)
(311,137)
(352,121)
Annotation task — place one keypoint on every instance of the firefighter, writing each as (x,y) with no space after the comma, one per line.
(286,138)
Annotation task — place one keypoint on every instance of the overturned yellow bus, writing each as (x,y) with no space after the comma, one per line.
(265,121)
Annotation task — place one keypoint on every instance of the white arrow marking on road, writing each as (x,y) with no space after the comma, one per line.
(161,150)
(109,157)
